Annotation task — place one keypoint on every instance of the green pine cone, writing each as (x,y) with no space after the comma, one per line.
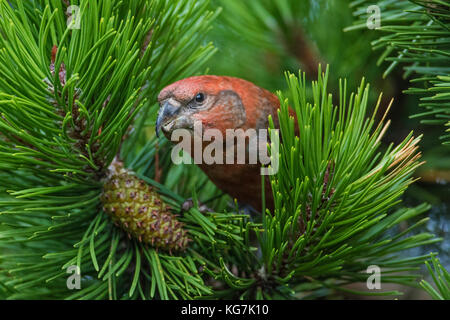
(138,209)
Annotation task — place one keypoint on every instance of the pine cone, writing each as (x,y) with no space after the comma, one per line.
(138,209)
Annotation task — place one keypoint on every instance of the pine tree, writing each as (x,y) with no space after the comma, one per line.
(85,183)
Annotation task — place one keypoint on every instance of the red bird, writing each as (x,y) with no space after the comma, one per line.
(221,103)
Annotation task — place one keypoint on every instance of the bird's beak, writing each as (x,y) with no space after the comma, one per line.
(173,116)
(169,108)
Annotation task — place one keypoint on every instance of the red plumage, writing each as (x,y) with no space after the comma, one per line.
(228,103)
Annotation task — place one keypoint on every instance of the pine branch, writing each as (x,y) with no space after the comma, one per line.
(417,39)
(441,278)
(67,100)
(336,199)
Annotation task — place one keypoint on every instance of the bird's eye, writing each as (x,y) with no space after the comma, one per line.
(199,98)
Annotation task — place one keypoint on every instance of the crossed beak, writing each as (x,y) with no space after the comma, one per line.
(167,116)
(173,116)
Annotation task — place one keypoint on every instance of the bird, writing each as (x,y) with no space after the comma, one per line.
(222,103)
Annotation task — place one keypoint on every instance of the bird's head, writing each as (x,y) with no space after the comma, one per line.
(217,102)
